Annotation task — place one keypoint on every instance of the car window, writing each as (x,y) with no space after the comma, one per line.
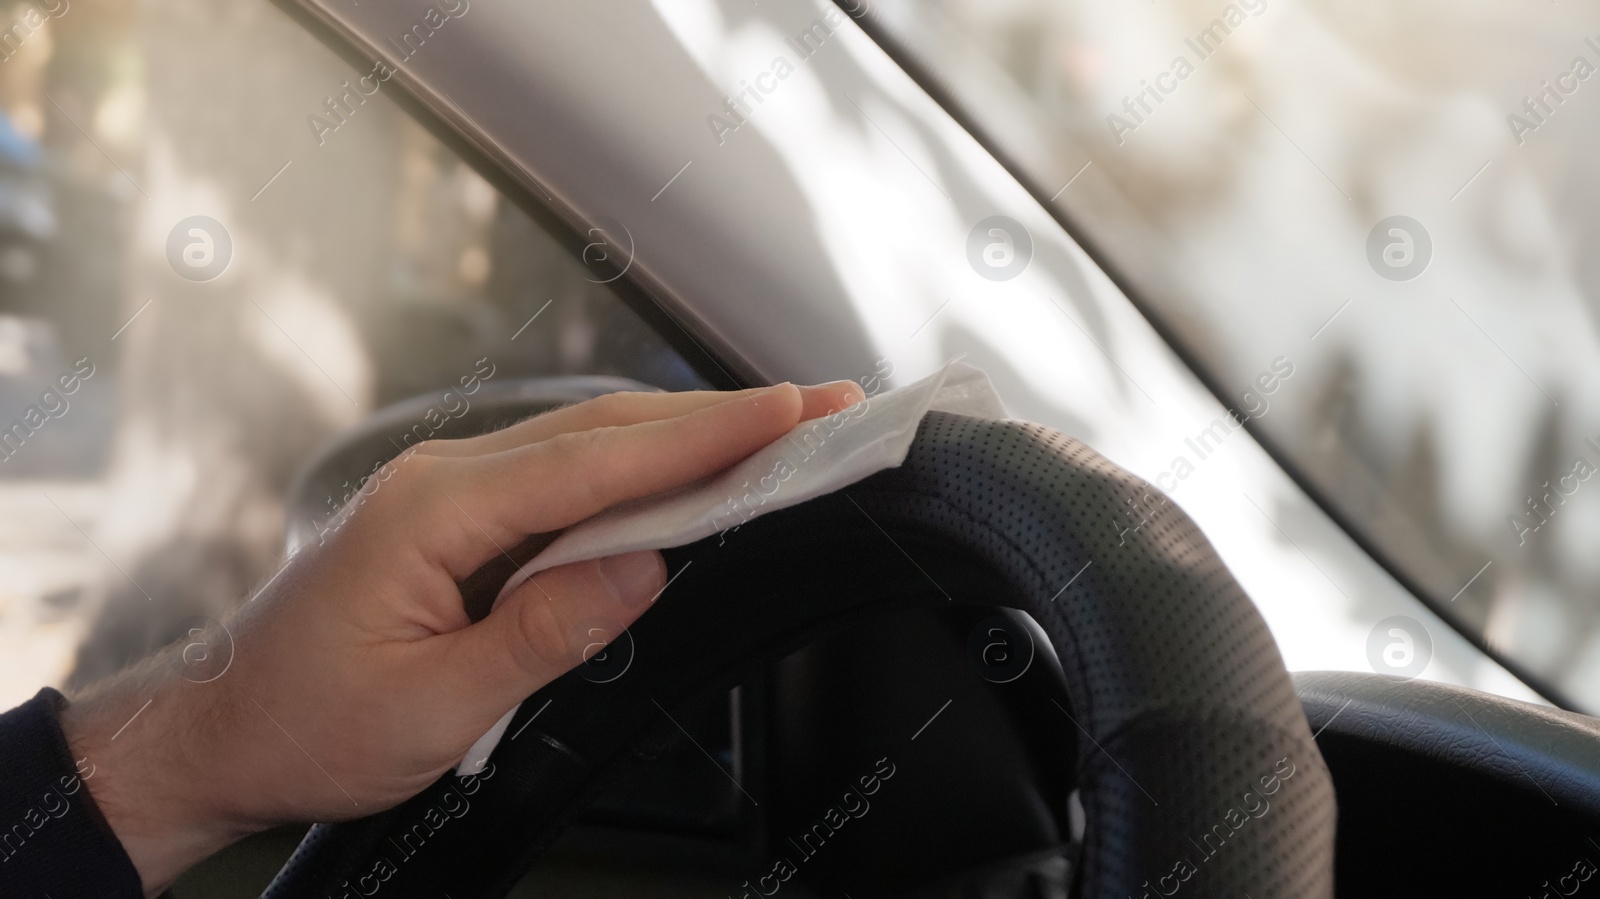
(221,246)
(1391,201)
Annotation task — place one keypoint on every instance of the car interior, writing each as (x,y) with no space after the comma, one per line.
(1102,647)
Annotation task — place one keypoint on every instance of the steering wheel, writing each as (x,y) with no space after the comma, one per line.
(1196,768)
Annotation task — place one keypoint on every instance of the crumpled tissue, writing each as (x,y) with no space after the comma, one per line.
(815,458)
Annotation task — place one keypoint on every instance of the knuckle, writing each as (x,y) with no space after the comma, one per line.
(624,406)
(580,457)
(410,475)
(609,404)
(596,477)
(585,445)
(418,462)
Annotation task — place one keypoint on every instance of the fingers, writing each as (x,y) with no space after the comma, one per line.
(490,502)
(556,621)
(826,399)
(610,410)
(621,409)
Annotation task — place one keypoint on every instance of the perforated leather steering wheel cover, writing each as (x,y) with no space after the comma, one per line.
(1176,685)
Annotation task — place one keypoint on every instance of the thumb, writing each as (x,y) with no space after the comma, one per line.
(554,622)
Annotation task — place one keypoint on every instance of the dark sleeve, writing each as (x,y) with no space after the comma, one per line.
(53,839)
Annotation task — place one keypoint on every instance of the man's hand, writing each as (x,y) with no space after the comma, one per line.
(357,677)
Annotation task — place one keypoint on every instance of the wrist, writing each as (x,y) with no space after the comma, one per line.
(139,744)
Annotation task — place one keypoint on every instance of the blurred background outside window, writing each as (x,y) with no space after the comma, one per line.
(1400,201)
(163,419)
(1393,199)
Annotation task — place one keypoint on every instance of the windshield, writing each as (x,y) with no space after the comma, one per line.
(1393,199)
(221,247)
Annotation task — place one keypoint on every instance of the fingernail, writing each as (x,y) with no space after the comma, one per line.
(849,391)
(634,578)
(856,392)
(768,391)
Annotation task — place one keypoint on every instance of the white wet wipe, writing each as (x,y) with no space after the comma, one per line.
(815,458)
